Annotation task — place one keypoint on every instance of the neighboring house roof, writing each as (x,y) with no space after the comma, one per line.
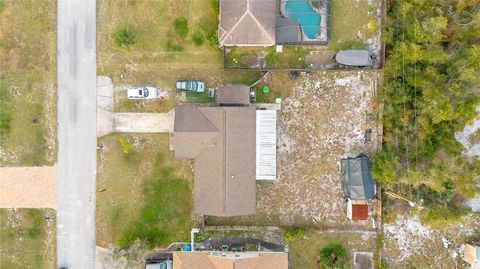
(247,22)
(230,260)
(357,183)
(233,95)
(471,255)
(223,147)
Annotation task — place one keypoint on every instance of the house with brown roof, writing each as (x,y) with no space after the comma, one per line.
(229,260)
(247,22)
(274,22)
(221,140)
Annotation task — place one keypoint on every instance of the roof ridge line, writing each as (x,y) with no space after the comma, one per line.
(236,24)
(259,25)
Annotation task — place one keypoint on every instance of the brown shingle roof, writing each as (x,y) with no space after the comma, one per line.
(246,260)
(224,159)
(247,22)
(233,94)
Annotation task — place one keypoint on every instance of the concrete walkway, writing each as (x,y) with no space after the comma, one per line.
(28,187)
(143,122)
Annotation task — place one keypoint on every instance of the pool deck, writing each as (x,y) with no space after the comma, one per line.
(323,23)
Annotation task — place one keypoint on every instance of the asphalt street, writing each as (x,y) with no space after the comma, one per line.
(77,140)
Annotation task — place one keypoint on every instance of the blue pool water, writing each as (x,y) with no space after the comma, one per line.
(308,17)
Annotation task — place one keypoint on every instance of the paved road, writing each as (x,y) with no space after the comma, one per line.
(77,138)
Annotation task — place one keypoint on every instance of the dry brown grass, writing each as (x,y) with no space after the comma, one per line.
(27,83)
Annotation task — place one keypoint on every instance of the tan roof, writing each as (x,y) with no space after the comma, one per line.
(247,22)
(224,159)
(233,94)
(243,260)
(470,254)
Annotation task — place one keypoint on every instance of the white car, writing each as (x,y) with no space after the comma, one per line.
(144,93)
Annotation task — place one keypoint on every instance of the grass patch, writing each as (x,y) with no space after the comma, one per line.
(148,197)
(24,233)
(305,252)
(203,97)
(27,83)
(181,27)
(160,56)
(125,37)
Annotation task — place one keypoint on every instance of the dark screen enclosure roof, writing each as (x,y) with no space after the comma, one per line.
(357,182)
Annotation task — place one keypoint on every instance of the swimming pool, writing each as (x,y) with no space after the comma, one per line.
(309,18)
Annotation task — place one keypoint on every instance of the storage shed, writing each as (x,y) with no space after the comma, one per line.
(357,182)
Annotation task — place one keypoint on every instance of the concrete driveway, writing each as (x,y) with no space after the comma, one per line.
(110,122)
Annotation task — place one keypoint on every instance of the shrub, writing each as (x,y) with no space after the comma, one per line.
(215,6)
(126,146)
(5,112)
(373,26)
(181,27)
(294,233)
(173,47)
(125,37)
(197,39)
(383,166)
(333,256)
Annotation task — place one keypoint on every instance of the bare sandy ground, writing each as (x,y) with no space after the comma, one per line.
(28,187)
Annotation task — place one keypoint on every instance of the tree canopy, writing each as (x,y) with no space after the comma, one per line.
(431,91)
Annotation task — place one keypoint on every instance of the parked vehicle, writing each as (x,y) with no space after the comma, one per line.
(191,85)
(159,264)
(144,93)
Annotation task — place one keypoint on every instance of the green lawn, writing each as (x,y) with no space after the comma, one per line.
(27,82)
(174,40)
(27,239)
(304,250)
(144,194)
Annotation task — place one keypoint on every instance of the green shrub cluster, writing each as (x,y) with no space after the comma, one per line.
(334,256)
(125,37)
(294,233)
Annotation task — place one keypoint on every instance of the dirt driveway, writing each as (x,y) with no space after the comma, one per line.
(28,187)
(322,120)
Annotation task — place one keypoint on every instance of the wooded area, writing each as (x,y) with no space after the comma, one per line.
(431,91)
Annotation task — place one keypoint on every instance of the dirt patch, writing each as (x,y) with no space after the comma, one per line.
(322,120)
(410,244)
(28,187)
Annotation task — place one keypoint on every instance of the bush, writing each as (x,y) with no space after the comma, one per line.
(333,256)
(181,27)
(294,233)
(197,39)
(125,38)
(173,47)
(383,166)
(126,146)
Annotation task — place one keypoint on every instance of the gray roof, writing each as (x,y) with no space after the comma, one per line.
(224,154)
(233,95)
(357,183)
(288,31)
(247,22)
(354,57)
